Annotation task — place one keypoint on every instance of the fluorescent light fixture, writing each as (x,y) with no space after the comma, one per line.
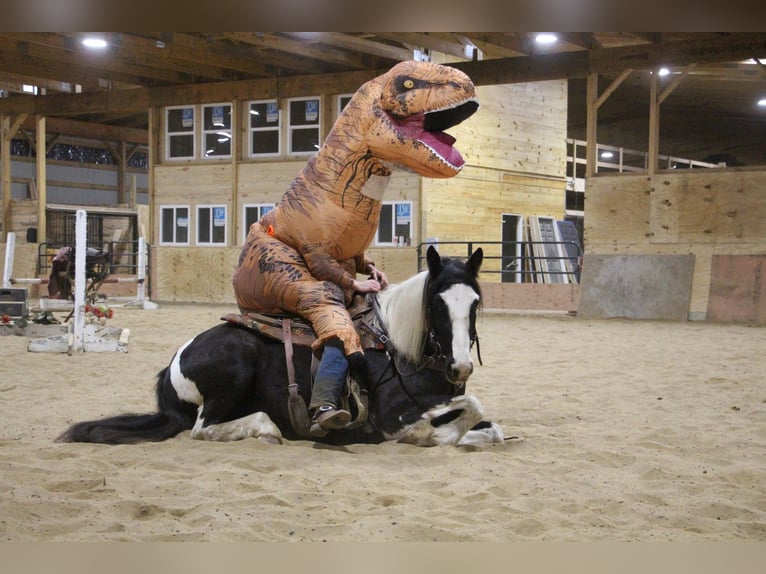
(607,155)
(94,42)
(546,38)
(664,72)
(254,112)
(762,102)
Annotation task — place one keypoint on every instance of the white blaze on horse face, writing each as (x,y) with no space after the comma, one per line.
(459,300)
(185,388)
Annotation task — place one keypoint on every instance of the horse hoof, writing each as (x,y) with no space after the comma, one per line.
(269,439)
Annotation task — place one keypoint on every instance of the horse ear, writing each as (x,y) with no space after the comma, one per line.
(434,261)
(474,262)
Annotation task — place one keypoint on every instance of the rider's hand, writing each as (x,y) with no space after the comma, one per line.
(379,276)
(367,286)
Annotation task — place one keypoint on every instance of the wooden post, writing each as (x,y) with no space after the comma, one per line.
(5,157)
(42,187)
(591,97)
(654,123)
(236,156)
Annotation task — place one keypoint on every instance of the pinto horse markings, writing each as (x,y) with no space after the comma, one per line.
(230,382)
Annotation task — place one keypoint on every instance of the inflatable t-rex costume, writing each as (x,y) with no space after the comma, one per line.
(302,257)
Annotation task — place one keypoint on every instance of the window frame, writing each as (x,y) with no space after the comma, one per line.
(252,130)
(393,204)
(175,242)
(260,206)
(211,221)
(204,132)
(291,129)
(169,135)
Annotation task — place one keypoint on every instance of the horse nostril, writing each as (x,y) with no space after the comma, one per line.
(460,371)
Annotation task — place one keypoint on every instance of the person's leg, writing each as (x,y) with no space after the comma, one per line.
(327,388)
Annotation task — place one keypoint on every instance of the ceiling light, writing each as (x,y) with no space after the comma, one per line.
(546,38)
(762,102)
(607,155)
(94,42)
(664,71)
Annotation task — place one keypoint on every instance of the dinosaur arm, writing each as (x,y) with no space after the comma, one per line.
(324,267)
(363,265)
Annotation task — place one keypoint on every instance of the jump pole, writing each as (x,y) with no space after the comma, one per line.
(81,249)
(10,247)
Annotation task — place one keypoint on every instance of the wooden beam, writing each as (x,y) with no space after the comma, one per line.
(305,50)
(591,129)
(612,87)
(654,124)
(355,43)
(41,182)
(5,159)
(675,83)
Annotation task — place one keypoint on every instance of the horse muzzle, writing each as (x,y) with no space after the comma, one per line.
(458,373)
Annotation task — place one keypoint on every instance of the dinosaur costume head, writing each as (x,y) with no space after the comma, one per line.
(407,110)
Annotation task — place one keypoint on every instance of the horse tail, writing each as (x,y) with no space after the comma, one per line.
(173,416)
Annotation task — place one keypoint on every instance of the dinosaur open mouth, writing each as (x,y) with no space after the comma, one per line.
(429,128)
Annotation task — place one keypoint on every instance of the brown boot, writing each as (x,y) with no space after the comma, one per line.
(327,418)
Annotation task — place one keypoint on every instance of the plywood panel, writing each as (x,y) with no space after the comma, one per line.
(709,206)
(518,127)
(636,286)
(738,289)
(192,184)
(617,210)
(530,296)
(193,275)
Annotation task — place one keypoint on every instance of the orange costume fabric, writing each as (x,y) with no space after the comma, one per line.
(303,256)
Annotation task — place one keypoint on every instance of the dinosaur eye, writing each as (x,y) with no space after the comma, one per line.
(409,84)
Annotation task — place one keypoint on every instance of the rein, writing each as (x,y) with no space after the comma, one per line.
(436,361)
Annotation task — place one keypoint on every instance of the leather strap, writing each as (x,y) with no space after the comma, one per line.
(299,416)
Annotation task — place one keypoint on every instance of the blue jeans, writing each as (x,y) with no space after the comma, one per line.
(330,376)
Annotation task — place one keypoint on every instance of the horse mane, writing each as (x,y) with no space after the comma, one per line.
(404,314)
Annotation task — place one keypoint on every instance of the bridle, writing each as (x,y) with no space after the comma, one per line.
(435,360)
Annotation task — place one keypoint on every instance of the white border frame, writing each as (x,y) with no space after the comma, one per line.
(211,243)
(188,227)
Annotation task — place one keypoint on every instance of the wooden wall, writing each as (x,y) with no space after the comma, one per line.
(515,149)
(700,212)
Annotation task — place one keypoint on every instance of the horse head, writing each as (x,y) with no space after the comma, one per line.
(453,297)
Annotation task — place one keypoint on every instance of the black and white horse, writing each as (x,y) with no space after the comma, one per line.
(230,382)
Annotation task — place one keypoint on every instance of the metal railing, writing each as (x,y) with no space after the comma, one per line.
(123,256)
(530,267)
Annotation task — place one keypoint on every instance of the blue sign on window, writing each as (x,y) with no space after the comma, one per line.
(312,110)
(219,216)
(402,213)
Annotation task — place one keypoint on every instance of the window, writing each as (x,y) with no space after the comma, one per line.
(395,223)
(211,225)
(264,121)
(303,125)
(251,213)
(216,130)
(174,225)
(179,127)
(343,101)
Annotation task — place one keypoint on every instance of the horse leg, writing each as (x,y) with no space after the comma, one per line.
(257,425)
(484,433)
(445,424)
